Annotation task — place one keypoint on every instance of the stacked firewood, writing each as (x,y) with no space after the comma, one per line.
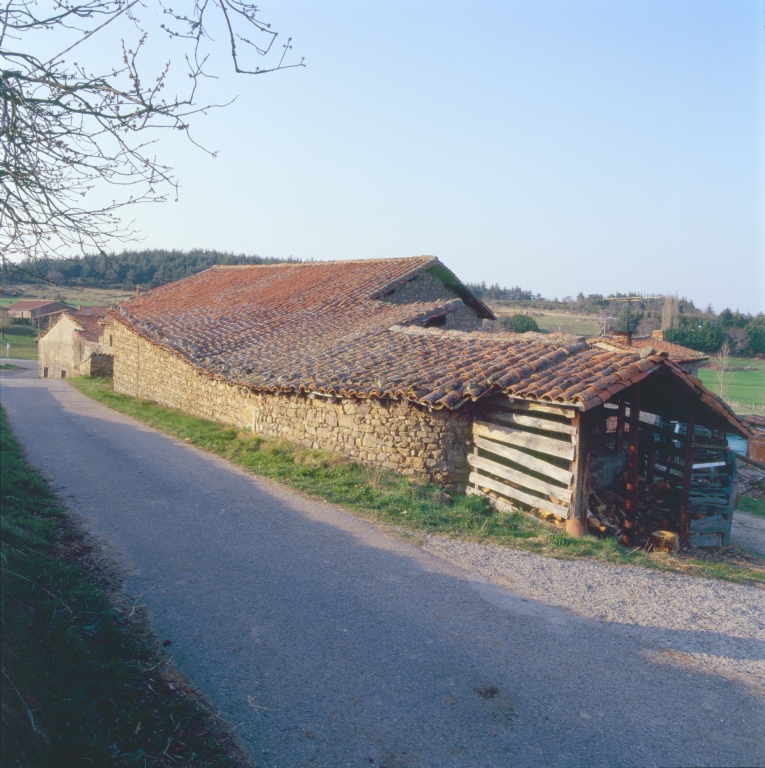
(656,510)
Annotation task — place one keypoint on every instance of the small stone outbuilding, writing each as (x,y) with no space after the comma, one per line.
(74,346)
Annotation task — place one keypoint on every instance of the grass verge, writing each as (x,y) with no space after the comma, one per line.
(741,386)
(752,506)
(391,498)
(83,680)
(22,341)
(10,367)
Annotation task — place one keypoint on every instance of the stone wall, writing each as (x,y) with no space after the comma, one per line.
(389,434)
(425,287)
(100,365)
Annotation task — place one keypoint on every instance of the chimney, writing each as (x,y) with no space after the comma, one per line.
(658,335)
(87,311)
(137,290)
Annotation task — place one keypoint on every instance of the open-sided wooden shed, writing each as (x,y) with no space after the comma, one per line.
(657,431)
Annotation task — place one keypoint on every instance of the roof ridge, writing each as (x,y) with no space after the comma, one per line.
(328,261)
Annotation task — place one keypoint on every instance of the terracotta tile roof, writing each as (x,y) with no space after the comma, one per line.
(754,421)
(49,308)
(275,317)
(94,311)
(445,369)
(26,304)
(318,328)
(675,352)
(88,326)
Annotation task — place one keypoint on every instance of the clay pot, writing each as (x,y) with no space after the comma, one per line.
(574,528)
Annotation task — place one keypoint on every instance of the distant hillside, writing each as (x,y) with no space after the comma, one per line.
(126,270)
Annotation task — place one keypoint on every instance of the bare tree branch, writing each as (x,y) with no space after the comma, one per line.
(65,132)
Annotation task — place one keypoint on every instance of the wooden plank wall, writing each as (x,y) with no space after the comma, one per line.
(526,452)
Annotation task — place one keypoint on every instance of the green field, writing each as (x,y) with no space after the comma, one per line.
(745,387)
(554,322)
(22,341)
(73,296)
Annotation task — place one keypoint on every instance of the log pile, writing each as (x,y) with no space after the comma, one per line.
(657,510)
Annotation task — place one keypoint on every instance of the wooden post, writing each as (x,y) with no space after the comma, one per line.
(632,467)
(650,468)
(580,467)
(685,514)
(620,428)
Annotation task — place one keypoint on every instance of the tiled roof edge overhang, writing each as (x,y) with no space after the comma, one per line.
(709,398)
(677,352)
(626,370)
(547,338)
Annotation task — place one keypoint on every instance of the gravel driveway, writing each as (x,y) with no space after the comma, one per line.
(329,641)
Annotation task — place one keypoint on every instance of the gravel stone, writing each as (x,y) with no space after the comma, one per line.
(659,608)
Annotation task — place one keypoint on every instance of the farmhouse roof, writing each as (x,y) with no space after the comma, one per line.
(675,352)
(25,305)
(754,421)
(87,325)
(94,311)
(324,327)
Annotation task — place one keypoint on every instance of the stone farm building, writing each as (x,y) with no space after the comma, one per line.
(386,362)
(73,345)
(39,312)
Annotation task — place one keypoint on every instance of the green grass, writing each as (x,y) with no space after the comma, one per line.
(70,294)
(9,367)
(746,387)
(84,681)
(556,322)
(22,341)
(387,496)
(752,506)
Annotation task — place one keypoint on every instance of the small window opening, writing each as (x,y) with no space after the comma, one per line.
(45,373)
(436,322)
(111,341)
(63,374)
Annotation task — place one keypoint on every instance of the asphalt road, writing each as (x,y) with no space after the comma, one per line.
(329,642)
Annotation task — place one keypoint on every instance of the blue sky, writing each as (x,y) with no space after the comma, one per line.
(562,146)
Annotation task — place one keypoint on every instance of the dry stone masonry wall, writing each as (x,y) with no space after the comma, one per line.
(424,287)
(388,434)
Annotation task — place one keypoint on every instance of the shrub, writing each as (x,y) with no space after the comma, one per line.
(519,323)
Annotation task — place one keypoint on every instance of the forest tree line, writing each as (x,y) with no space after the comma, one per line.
(127,270)
(682,322)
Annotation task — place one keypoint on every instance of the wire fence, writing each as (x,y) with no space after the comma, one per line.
(745,408)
